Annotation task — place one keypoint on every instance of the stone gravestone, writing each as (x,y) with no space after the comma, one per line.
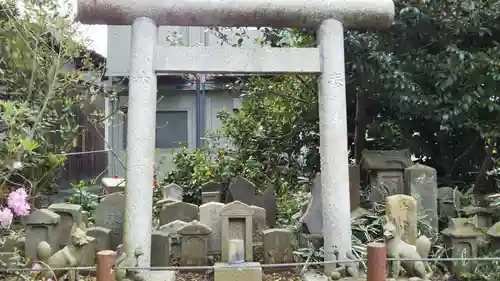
(178,211)
(102,236)
(213,196)
(448,202)
(385,169)
(421,184)
(175,240)
(313,216)
(460,238)
(236,220)
(160,249)
(89,254)
(110,214)
(209,216)
(278,245)
(70,214)
(210,192)
(41,225)
(259,223)
(241,189)
(171,193)
(402,209)
(270,204)
(194,238)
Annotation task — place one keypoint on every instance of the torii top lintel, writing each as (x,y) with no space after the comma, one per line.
(232,13)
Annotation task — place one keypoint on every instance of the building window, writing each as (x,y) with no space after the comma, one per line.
(171,129)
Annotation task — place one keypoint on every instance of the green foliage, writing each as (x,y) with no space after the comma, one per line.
(428,83)
(81,196)
(39,100)
(193,168)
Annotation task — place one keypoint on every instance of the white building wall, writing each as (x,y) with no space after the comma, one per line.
(215,101)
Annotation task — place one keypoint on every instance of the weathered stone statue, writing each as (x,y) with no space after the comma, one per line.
(351,269)
(123,262)
(70,256)
(397,248)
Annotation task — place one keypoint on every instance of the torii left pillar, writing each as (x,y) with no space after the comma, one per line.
(331,16)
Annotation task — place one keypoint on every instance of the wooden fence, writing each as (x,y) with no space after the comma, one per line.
(89,165)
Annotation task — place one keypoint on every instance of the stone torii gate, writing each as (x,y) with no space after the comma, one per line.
(148,59)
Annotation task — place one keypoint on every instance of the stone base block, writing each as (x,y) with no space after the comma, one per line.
(162,275)
(224,273)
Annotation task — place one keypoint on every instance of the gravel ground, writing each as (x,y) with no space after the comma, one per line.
(275,276)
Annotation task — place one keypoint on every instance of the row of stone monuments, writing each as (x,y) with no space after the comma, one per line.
(194,234)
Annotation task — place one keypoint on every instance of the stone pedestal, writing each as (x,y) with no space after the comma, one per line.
(223,272)
(494,237)
(461,239)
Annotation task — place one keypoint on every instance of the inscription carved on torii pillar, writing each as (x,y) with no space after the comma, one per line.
(330,16)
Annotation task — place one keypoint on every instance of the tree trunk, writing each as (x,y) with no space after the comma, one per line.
(483,184)
(361,122)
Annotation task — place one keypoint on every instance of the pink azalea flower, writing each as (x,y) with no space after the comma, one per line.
(17,201)
(36,267)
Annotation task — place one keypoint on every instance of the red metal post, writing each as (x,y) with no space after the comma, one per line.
(105,261)
(377,262)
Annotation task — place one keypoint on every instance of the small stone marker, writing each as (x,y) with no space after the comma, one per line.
(194,237)
(209,216)
(178,211)
(210,192)
(236,220)
(175,240)
(171,193)
(241,189)
(210,196)
(112,185)
(70,214)
(110,214)
(402,209)
(421,183)
(102,236)
(41,225)
(160,249)
(89,253)
(313,216)
(211,186)
(270,204)
(278,245)
(259,223)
